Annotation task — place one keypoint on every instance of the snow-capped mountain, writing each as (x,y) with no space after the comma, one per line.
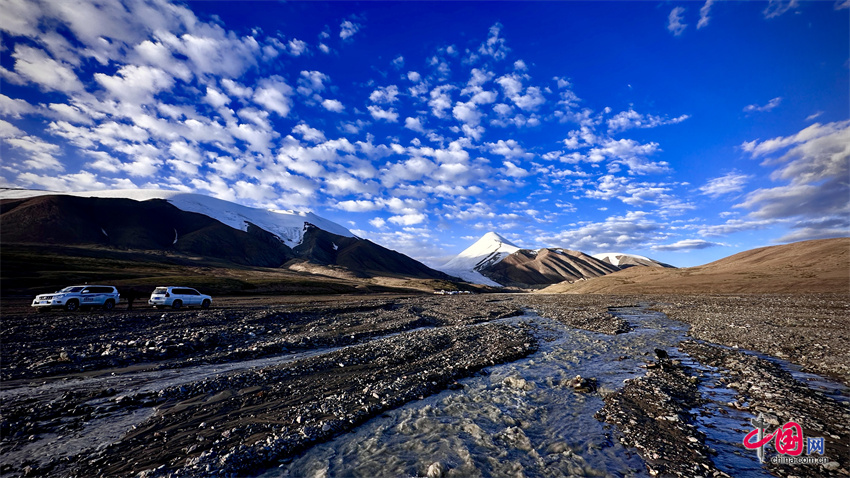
(623,261)
(197,228)
(489,250)
(495,261)
(288,226)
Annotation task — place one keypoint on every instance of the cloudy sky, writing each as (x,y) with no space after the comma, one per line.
(684,131)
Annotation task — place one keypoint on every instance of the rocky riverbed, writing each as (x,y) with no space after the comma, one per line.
(239,388)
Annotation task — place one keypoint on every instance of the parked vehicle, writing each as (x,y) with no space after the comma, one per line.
(177,297)
(76,296)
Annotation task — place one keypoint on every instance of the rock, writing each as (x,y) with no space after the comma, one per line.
(518,383)
(435,470)
(581,384)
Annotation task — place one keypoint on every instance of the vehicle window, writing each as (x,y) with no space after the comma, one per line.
(101,290)
(179,291)
(72,289)
(160,290)
(192,292)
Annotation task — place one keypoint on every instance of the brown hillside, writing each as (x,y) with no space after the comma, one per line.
(530,269)
(807,267)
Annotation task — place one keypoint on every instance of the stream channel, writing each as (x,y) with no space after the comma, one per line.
(496,429)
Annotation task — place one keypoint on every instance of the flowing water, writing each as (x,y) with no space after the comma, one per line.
(494,428)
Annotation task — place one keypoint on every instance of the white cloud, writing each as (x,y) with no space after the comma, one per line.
(686,245)
(816,114)
(816,166)
(347,29)
(20,17)
(335,106)
(512,87)
(735,225)
(414,124)
(626,120)
(297,47)
(730,183)
(467,113)
(408,219)
(274,94)
(14,107)
(34,65)
(413,169)
(216,98)
(777,7)
(212,51)
(510,149)
(414,76)
(495,45)
(513,170)
(630,153)
(40,154)
(703,14)
(440,100)
(818,229)
(768,107)
(83,181)
(758,148)
(309,134)
(384,95)
(379,113)
(159,55)
(310,82)
(630,231)
(136,84)
(237,89)
(674,21)
(8,130)
(358,206)
(378,222)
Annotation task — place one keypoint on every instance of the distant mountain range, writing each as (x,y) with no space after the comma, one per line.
(193,229)
(494,260)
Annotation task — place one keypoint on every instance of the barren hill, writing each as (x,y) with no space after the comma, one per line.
(817,266)
(529,269)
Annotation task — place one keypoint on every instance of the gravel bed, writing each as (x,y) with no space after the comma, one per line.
(812,331)
(654,415)
(242,422)
(765,388)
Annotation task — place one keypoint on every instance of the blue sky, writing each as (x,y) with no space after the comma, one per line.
(684,131)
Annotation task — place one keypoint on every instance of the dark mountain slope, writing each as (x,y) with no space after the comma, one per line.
(129,224)
(157,225)
(360,256)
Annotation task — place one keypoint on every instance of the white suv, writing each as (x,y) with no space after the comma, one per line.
(177,297)
(76,296)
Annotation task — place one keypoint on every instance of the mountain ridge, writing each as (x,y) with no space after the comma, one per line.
(493,260)
(159,225)
(287,225)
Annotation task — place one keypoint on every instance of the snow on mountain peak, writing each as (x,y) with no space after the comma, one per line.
(289,226)
(614,258)
(489,249)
